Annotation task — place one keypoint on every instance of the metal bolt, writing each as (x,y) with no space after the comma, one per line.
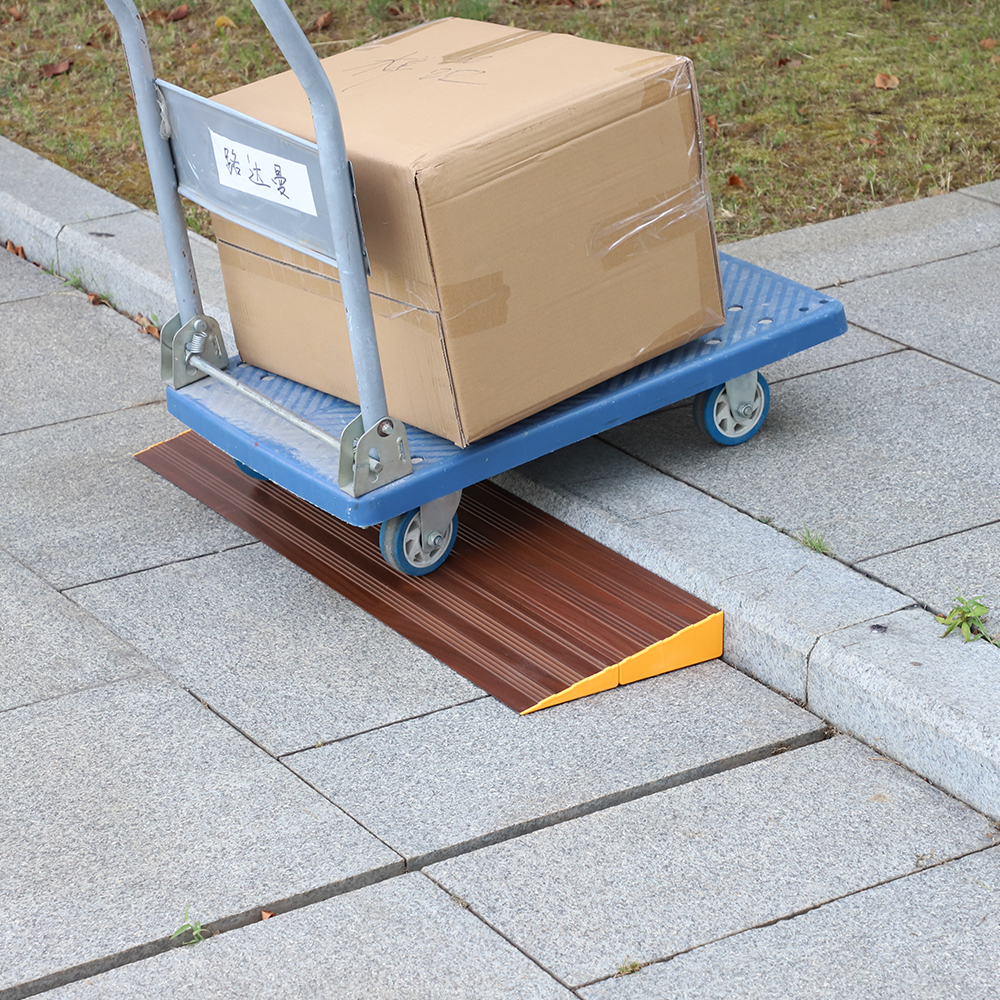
(385,427)
(746,410)
(374,465)
(433,540)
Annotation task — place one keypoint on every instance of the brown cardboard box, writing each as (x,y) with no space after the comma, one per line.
(536,213)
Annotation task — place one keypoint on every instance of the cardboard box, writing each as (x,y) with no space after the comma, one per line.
(536,214)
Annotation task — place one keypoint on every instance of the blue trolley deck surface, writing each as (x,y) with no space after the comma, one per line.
(767,318)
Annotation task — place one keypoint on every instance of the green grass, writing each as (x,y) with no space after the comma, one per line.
(191,933)
(787,87)
(815,541)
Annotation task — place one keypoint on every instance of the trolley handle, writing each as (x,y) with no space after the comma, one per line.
(335,172)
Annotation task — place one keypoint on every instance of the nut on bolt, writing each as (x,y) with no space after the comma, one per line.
(385,427)
(434,539)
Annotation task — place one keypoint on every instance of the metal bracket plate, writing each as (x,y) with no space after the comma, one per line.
(435,518)
(370,459)
(741,393)
(174,354)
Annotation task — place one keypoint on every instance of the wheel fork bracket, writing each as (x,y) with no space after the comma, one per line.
(741,393)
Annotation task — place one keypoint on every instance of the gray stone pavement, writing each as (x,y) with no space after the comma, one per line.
(190,726)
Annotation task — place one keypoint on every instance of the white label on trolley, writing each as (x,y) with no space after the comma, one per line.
(263,175)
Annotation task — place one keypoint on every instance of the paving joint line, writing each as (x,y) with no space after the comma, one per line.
(65,591)
(496,930)
(621,797)
(85,416)
(384,725)
(795,913)
(907,267)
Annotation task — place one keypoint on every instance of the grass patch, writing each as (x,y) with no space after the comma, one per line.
(815,541)
(787,87)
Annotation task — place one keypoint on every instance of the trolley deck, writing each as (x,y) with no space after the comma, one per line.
(767,318)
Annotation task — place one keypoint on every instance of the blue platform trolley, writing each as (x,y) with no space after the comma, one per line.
(357,462)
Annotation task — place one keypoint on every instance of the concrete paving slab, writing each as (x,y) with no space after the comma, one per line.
(403,939)
(855,345)
(50,646)
(778,596)
(39,198)
(478,774)
(20,279)
(990,191)
(126,804)
(651,878)
(887,480)
(889,239)
(125,259)
(930,935)
(289,661)
(948,309)
(73,360)
(79,508)
(930,701)
(936,571)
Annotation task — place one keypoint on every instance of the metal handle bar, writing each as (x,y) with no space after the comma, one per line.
(337,189)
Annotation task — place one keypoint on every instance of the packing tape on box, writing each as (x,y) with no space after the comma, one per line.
(473,306)
(648,226)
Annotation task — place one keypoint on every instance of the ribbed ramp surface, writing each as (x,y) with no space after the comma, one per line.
(526,607)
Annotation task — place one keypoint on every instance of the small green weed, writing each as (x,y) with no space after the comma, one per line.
(628,967)
(966,615)
(195,930)
(815,541)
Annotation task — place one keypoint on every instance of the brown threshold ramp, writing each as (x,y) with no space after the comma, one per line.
(527,608)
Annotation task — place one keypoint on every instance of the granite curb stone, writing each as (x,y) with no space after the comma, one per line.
(931,935)
(932,703)
(652,878)
(479,773)
(128,803)
(761,638)
(39,198)
(403,939)
(286,659)
(50,646)
(779,597)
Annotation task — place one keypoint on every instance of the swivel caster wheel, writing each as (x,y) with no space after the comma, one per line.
(399,540)
(714,415)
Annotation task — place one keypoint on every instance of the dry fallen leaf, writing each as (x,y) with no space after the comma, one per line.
(104,33)
(95,299)
(178,13)
(18,251)
(224,22)
(885,81)
(147,326)
(158,16)
(988,43)
(932,38)
(324,20)
(16,13)
(712,121)
(736,181)
(995,59)
(55,69)
(266,914)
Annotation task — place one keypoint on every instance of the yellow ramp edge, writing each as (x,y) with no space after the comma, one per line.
(603,680)
(696,643)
